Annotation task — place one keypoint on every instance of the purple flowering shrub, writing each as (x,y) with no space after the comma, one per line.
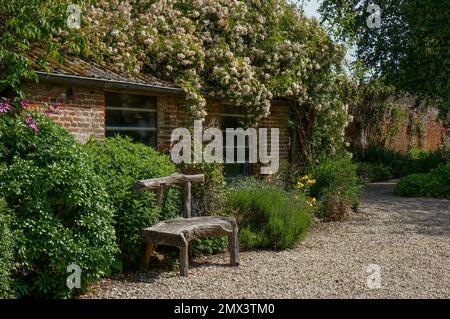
(20,109)
(61,211)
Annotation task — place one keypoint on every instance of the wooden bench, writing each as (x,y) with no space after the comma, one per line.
(179,232)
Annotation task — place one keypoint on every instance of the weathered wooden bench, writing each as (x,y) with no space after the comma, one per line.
(179,232)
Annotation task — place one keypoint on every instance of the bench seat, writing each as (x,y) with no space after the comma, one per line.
(179,232)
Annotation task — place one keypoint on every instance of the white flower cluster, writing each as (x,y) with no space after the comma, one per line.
(246,51)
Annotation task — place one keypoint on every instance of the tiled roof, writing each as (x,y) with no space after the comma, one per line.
(75,67)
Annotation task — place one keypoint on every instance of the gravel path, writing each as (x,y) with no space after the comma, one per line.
(408,238)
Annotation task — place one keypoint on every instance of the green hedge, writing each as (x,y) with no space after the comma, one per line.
(6,251)
(434,184)
(62,213)
(374,172)
(337,187)
(268,216)
(415,161)
(121,163)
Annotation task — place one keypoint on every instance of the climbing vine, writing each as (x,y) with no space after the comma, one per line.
(249,52)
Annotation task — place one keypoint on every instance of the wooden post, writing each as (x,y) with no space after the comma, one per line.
(187,200)
(148,249)
(234,246)
(160,196)
(184,258)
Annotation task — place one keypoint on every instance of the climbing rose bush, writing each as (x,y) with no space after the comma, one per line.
(248,52)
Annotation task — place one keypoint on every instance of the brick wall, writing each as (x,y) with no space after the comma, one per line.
(173,113)
(278,118)
(83,114)
(429,137)
(82,110)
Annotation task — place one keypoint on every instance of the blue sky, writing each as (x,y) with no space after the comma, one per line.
(311,7)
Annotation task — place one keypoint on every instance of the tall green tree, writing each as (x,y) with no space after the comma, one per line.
(28,23)
(411,48)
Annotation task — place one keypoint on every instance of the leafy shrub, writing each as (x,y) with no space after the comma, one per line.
(337,187)
(268,216)
(425,162)
(61,211)
(373,172)
(6,252)
(400,164)
(433,184)
(209,246)
(121,163)
(208,198)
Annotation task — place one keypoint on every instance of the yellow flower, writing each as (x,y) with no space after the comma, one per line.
(311,181)
(312,201)
(300,185)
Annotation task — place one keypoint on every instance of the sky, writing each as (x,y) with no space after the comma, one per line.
(311,7)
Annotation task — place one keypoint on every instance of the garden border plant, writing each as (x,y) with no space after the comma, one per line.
(121,163)
(268,216)
(59,208)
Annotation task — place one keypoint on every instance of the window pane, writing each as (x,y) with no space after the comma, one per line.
(145,137)
(130,119)
(236,170)
(131,115)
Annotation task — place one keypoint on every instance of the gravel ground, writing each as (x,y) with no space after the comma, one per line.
(408,238)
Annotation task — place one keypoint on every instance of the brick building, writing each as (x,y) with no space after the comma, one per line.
(95,101)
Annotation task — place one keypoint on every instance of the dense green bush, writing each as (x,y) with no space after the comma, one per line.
(337,187)
(414,161)
(268,216)
(433,184)
(121,163)
(209,246)
(61,210)
(374,172)
(6,251)
(424,162)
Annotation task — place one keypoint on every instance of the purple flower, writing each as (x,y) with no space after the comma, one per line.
(53,109)
(31,123)
(24,103)
(4,106)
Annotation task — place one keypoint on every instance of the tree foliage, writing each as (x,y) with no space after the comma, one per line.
(411,48)
(24,23)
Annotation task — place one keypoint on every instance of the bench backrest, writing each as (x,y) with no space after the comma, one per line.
(159,184)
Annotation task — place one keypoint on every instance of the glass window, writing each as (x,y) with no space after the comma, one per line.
(235,170)
(131,115)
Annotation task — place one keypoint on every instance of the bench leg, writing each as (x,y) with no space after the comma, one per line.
(234,247)
(148,249)
(184,259)
(191,255)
